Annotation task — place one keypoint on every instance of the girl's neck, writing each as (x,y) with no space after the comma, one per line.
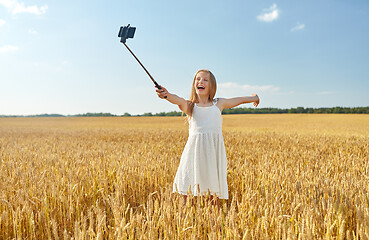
(203,100)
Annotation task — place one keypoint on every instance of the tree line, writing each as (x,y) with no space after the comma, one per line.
(345,110)
(337,110)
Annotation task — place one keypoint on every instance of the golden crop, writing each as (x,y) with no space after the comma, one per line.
(289,176)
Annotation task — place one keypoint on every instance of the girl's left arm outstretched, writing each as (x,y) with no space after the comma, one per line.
(234,102)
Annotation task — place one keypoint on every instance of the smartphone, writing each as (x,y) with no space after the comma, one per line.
(126,32)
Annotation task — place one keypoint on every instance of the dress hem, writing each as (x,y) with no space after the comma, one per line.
(202,194)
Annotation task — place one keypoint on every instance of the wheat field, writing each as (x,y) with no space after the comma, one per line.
(300,176)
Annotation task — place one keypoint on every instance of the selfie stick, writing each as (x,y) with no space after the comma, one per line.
(128,32)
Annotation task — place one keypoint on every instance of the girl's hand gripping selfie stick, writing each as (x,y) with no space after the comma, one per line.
(128,32)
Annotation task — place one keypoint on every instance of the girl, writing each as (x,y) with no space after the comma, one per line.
(203,164)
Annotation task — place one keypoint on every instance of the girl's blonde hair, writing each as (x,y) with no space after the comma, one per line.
(194,98)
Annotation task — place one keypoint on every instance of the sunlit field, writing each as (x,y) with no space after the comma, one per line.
(302,176)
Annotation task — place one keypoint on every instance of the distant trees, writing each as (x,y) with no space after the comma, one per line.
(161,114)
(346,110)
(94,115)
(171,114)
(36,115)
(253,110)
(335,110)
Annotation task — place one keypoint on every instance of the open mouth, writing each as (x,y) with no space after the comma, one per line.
(200,87)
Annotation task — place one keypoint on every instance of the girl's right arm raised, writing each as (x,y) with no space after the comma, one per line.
(181,102)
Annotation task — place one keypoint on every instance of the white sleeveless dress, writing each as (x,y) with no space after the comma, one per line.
(203,164)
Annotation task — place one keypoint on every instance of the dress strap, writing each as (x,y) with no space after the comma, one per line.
(215,101)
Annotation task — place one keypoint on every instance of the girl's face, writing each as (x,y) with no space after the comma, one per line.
(201,84)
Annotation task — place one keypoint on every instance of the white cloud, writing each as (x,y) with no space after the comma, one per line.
(7,3)
(8,48)
(2,22)
(32,31)
(271,14)
(299,26)
(232,88)
(19,7)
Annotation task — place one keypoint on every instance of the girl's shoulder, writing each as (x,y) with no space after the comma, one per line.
(218,100)
(219,103)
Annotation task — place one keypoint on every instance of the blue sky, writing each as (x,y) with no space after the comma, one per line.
(65,57)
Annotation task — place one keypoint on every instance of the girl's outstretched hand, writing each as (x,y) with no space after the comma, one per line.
(162,93)
(256,102)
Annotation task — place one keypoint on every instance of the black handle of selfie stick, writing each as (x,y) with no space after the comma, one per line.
(156,84)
